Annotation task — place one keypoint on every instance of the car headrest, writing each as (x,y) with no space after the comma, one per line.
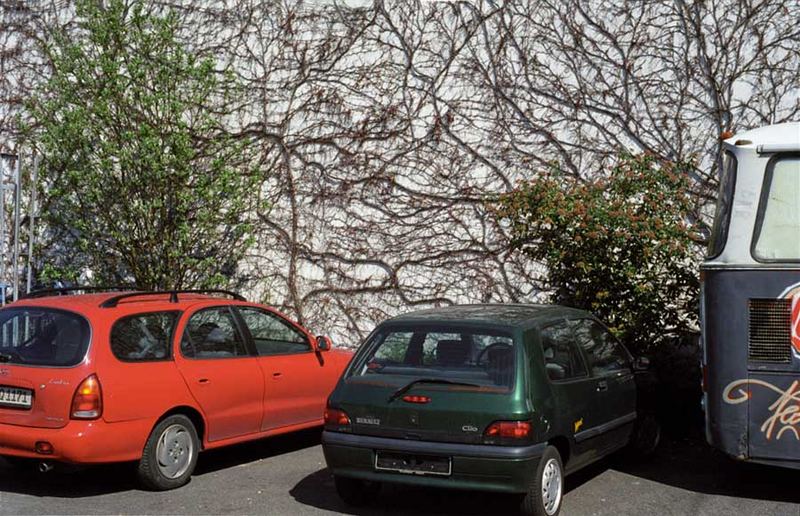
(451,352)
(500,358)
(555,371)
(215,336)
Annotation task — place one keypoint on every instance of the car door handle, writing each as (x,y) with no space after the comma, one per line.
(602,385)
(276,376)
(203,380)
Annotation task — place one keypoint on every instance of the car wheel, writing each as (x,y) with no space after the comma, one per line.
(355,492)
(170,454)
(645,437)
(547,489)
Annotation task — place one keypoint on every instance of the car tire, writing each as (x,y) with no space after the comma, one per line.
(170,454)
(645,437)
(546,491)
(355,492)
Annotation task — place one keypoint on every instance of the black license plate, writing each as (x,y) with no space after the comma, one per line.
(15,397)
(413,464)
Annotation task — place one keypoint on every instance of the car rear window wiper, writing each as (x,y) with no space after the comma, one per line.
(407,387)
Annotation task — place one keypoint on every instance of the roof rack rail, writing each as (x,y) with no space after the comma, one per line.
(63,291)
(173,295)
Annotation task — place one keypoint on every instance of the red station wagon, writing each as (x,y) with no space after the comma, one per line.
(153,377)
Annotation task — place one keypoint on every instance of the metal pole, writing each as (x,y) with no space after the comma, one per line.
(31,219)
(17,202)
(4,158)
(3,218)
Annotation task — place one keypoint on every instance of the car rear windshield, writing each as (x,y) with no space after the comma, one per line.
(479,356)
(42,337)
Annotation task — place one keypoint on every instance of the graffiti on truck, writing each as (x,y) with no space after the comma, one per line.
(793,293)
(796,323)
(784,412)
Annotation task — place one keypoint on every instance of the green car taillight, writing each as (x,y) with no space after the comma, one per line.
(508,432)
(336,420)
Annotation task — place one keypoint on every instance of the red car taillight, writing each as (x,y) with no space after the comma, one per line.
(410,398)
(501,432)
(87,402)
(336,420)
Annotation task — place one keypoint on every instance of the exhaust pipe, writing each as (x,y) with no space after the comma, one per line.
(45,467)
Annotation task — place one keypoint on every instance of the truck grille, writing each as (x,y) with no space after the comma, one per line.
(770,337)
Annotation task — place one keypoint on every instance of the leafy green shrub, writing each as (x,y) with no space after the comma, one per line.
(140,178)
(618,245)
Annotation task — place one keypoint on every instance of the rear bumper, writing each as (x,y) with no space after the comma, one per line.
(505,469)
(79,442)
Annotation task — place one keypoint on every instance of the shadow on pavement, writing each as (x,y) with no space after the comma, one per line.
(318,490)
(229,456)
(692,465)
(684,463)
(79,482)
(68,481)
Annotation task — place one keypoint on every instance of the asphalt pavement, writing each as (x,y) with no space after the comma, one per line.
(287,475)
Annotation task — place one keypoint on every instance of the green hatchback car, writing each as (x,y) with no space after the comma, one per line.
(504,398)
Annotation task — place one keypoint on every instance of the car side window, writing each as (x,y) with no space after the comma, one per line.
(562,360)
(605,353)
(143,337)
(271,334)
(212,333)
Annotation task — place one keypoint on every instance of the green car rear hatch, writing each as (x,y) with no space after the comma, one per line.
(435,381)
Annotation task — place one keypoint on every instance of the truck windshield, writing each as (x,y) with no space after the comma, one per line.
(722,216)
(483,357)
(778,223)
(42,337)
